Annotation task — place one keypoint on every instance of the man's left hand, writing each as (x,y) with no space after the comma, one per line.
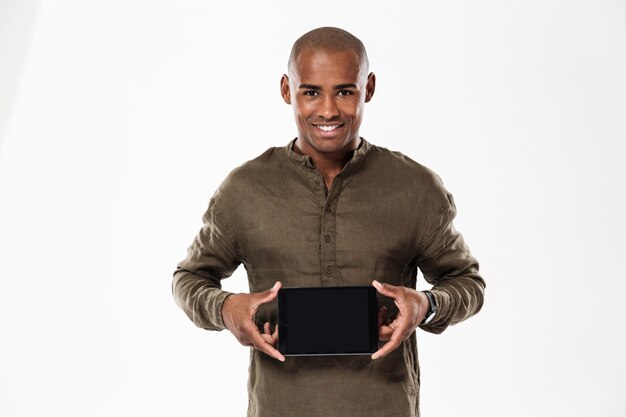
(412,307)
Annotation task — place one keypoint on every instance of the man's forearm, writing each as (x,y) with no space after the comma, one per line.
(449,266)
(200,297)
(457,299)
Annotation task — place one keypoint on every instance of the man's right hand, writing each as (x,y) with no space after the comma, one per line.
(238,312)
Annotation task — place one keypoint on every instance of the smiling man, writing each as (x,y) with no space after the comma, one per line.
(330,209)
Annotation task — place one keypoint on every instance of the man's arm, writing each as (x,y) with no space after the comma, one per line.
(458,289)
(197,288)
(446,263)
(196,285)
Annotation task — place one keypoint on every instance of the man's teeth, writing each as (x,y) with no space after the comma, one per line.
(328,128)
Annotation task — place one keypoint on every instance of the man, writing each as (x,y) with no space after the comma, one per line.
(330,209)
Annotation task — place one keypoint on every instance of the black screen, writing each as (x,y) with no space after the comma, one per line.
(329,320)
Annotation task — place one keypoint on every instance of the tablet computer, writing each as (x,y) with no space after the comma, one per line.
(327,321)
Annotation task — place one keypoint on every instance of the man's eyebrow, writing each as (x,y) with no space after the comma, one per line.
(337,87)
(344,86)
(310,87)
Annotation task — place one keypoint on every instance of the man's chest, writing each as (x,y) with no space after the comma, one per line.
(349,236)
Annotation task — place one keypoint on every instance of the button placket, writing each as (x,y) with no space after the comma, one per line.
(317,180)
(331,274)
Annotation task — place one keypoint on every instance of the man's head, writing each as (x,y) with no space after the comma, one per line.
(328,85)
(329,39)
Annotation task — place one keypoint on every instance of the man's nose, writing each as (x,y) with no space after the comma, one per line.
(328,108)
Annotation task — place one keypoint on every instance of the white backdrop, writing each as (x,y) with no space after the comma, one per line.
(120,118)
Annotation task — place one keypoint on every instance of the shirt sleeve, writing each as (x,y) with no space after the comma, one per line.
(211,257)
(447,264)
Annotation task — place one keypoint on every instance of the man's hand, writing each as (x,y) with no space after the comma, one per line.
(238,311)
(412,307)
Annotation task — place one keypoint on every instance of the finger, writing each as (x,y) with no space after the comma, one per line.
(270,294)
(275,336)
(391,345)
(270,337)
(263,346)
(384,333)
(389,290)
(381,315)
(399,334)
(387,330)
(402,328)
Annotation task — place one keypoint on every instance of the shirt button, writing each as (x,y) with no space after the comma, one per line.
(329,270)
(327,238)
(316,182)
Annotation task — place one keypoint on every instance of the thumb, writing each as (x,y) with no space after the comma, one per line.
(381,315)
(269,295)
(385,289)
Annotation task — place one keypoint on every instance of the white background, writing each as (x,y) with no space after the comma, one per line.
(119,119)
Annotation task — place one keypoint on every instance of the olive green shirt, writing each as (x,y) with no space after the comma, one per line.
(384,217)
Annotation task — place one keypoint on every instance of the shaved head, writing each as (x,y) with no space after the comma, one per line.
(330,39)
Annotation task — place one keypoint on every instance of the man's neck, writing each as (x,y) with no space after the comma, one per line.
(329,164)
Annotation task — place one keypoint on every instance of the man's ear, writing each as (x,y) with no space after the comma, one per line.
(370,87)
(284,89)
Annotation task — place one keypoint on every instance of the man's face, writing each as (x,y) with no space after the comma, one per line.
(328,92)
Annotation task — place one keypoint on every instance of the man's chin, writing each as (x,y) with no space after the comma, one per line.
(324,145)
(330,143)
(329,146)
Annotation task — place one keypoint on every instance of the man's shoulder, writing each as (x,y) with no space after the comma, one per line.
(402,169)
(259,170)
(270,160)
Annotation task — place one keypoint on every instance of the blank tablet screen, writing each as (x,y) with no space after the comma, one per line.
(327,321)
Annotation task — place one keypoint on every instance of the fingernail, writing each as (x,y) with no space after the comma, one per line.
(274,287)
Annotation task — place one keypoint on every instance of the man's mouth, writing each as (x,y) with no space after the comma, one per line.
(328,128)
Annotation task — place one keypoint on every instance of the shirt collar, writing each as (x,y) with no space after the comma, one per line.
(357,155)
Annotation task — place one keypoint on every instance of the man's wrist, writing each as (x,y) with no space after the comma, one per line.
(224,317)
(432,307)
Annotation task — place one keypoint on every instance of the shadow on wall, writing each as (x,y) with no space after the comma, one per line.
(17,24)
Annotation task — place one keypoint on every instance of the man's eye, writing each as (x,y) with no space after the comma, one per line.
(310,93)
(344,93)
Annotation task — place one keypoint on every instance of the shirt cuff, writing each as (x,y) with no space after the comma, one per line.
(214,308)
(442,301)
